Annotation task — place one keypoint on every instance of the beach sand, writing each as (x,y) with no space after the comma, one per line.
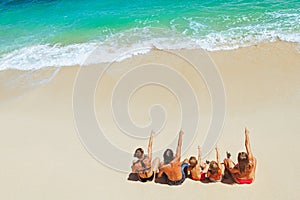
(42,157)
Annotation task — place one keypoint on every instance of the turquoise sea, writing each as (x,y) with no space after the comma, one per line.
(40,33)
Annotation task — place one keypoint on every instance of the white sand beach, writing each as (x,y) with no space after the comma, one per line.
(42,157)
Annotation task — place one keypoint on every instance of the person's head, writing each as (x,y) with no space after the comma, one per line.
(193,161)
(168,156)
(213,167)
(139,152)
(243,161)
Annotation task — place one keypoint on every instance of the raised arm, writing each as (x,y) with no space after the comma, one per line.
(247,144)
(199,156)
(178,149)
(150,145)
(218,156)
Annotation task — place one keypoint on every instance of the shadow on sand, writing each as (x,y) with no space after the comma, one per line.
(133,177)
(163,179)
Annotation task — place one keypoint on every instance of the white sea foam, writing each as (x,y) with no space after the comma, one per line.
(113,48)
(40,56)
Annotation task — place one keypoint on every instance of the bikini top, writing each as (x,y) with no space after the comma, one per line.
(143,165)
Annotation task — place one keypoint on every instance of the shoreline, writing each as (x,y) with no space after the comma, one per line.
(111,55)
(14,81)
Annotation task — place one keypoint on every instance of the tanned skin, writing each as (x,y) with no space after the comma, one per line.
(152,167)
(235,172)
(173,169)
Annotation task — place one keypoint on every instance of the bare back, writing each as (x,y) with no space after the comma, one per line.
(172,170)
(195,172)
(250,173)
(143,167)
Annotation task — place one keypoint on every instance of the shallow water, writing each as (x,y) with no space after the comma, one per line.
(41,33)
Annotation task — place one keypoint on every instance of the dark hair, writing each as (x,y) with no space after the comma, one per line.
(213,167)
(168,156)
(193,161)
(138,149)
(243,161)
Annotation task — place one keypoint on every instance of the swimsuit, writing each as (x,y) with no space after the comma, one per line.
(144,170)
(143,165)
(184,167)
(146,179)
(244,181)
(201,178)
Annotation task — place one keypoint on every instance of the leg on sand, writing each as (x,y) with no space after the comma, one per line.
(154,167)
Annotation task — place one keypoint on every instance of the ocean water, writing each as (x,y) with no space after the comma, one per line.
(37,34)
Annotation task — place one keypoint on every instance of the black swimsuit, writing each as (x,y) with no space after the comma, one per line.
(143,165)
(184,167)
(144,171)
(146,179)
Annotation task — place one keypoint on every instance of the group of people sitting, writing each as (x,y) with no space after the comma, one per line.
(175,171)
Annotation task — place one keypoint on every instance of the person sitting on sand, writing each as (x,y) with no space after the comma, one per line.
(143,167)
(174,170)
(215,171)
(244,171)
(195,171)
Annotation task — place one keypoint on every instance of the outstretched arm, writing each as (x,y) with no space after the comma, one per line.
(150,145)
(247,144)
(178,149)
(218,156)
(199,156)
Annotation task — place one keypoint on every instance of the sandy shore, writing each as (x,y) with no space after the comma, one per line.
(42,156)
